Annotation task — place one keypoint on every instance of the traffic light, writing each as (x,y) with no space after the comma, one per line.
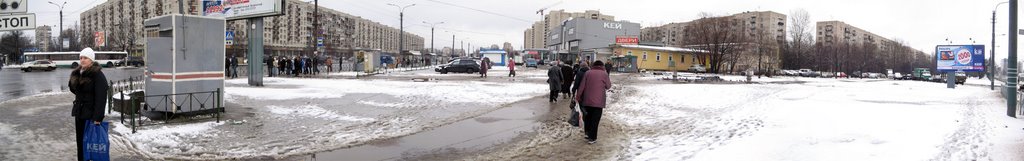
(13,6)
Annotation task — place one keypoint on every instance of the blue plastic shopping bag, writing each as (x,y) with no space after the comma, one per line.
(97,147)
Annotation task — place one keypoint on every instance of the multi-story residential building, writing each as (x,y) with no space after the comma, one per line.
(760,36)
(670,34)
(764,25)
(288,34)
(43,38)
(838,32)
(536,36)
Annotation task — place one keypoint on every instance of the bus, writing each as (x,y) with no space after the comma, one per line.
(70,59)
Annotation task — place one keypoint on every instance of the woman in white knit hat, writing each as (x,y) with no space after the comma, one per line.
(90,88)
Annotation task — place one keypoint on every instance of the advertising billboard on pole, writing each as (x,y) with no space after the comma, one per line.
(967,58)
(240,9)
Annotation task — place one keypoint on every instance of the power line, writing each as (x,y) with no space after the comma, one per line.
(479,10)
(86,6)
(462,31)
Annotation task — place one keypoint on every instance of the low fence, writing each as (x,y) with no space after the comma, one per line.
(128,98)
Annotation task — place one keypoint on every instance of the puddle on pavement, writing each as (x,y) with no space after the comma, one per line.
(468,135)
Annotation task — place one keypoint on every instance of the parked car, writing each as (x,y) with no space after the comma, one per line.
(461,65)
(697,68)
(44,65)
(907,76)
(827,75)
(808,73)
(842,75)
(875,75)
(938,78)
(134,61)
(531,62)
(961,77)
(897,76)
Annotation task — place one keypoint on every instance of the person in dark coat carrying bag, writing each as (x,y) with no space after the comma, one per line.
(554,81)
(592,96)
(89,85)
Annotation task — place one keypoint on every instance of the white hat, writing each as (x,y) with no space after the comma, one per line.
(88,53)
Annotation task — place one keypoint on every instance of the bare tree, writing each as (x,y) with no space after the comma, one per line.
(713,34)
(796,52)
(124,35)
(12,44)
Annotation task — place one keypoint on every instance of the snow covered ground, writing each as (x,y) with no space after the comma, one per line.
(822,119)
(302,116)
(778,118)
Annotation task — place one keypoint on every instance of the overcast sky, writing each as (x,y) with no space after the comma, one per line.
(921,23)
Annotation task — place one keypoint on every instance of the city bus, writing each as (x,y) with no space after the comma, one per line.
(70,59)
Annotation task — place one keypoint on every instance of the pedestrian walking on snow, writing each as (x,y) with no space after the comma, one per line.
(234,67)
(512,68)
(554,80)
(583,68)
(592,95)
(485,64)
(568,75)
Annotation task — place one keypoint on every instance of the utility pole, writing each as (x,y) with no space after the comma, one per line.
(432,34)
(316,25)
(60,30)
(453,46)
(401,26)
(992,53)
(1011,64)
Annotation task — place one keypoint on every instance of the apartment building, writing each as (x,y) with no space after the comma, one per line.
(754,25)
(838,32)
(289,34)
(43,38)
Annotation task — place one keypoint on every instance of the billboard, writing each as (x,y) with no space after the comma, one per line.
(100,39)
(967,58)
(240,9)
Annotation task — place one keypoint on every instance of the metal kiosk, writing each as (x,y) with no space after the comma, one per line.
(185,58)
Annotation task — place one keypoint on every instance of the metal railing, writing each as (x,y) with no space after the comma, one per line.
(196,102)
(120,87)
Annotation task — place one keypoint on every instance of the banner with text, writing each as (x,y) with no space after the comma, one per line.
(240,9)
(967,58)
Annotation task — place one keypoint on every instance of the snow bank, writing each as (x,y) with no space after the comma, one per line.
(163,141)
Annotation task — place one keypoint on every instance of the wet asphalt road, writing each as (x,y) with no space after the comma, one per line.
(15,83)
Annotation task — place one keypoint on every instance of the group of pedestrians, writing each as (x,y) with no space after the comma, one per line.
(586,83)
(299,66)
(286,65)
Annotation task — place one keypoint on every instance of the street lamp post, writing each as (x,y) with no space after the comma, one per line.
(1011,65)
(432,34)
(61,25)
(992,52)
(401,26)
